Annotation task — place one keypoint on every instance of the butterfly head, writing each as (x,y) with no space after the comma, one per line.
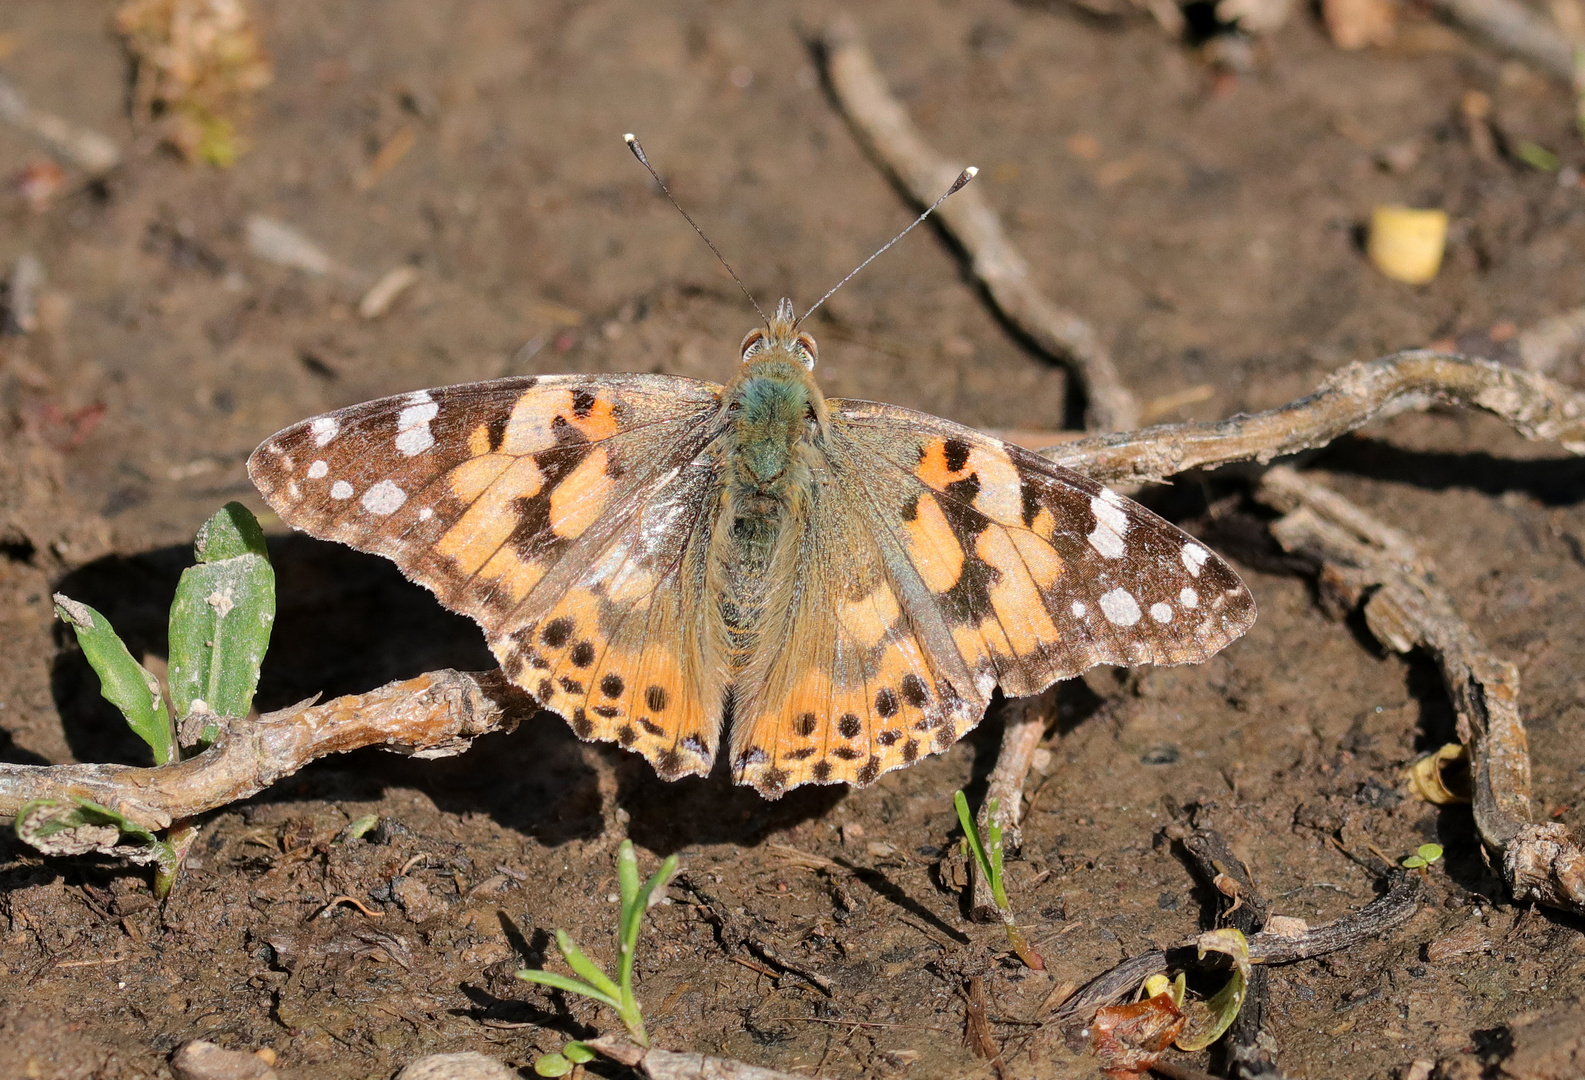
(774,410)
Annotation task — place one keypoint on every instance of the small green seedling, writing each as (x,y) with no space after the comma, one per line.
(1537,156)
(988,856)
(564,1060)
(595,983)
(220,625)
(1424,856)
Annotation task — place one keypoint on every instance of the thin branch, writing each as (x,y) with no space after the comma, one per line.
(1518,29)
(1405,609)
(1416,379)
(667,1065)
(1374,919)
(435,715)
(885,126)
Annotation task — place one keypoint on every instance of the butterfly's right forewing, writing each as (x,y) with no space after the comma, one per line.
(560,513)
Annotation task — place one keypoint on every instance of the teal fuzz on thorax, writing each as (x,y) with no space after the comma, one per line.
(775,415)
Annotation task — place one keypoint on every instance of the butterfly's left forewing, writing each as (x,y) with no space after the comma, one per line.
(558,512)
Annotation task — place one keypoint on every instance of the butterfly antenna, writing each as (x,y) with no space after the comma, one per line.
(638,152)
(957,185)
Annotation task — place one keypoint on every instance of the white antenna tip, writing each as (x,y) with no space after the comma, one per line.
(971,172)
(630,138)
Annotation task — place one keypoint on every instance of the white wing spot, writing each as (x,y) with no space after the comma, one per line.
(426,513)
(1112,497)
(384,498)
(317,470)
(414,440)
(1189,598)
(1120,607)
(412,424)
(1111,524)
(1194,557)
(1161,613)
(292,490)
(341,490)
(324,429)
(1079,609)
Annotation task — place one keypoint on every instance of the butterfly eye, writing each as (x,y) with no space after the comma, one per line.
(753,341)
(734,406)
(808,351)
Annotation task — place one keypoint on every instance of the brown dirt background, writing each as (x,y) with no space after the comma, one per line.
(1212,240)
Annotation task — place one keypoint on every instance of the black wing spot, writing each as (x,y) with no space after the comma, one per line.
(544,691)
(871,769)
(572,686)
(822,771)
(774,781)
(496,427)
(650,726)
(612,686)
(957,454)
(887,738)
(556,632)
(583,654)
(805,724)
(886,701)
(669,764)
(610,712)
(914,691)
(627,735)
(580,724)
(911,751)
(582,403)
(801,754)
(655,697)
(1031,500)
(846,753)
(849,726)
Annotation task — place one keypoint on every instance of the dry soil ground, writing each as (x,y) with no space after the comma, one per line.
(1208,227)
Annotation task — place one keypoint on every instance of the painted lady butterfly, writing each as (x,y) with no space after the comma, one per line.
(840,584)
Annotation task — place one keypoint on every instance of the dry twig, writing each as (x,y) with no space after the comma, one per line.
(1375,918)
(1535,406)
(1364,560)
(437,714)
(884,125)
(667,1065)
(1024,724)
(1517,28)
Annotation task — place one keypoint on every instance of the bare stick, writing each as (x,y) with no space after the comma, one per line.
(435,715)
(667,1065)
(1374,919)
(1024,724)
(1534,405)
(1405,609)
(1518,29)
(882,122)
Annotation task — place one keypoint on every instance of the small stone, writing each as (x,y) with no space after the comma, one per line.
(469,1065)
(199,1060)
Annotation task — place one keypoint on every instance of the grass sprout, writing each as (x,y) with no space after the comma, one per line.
(987,853)
(592,982)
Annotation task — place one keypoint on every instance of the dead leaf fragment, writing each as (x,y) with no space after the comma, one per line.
(1406,244)
(1129,1039)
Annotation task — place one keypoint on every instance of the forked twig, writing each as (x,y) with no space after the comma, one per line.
(885,126)
(1364,560)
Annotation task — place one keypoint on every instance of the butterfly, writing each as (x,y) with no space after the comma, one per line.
(831,588)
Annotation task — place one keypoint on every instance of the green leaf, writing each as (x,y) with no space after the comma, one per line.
(1537,156)
(552,1065)
(356,829)
(558,981)
(1414,862)
(584,966)
(1429,852)
(577,1053)
(220,621)
(1210,1020)
(970,833)
(124,682)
